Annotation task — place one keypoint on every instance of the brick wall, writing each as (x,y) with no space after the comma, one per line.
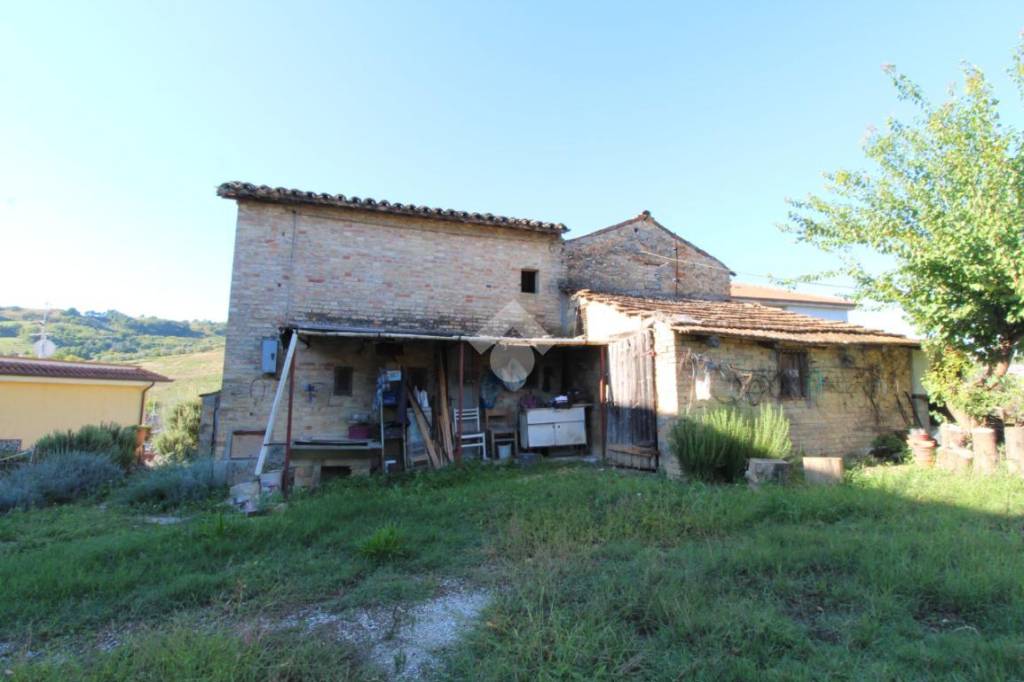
(639,257)
(355,268)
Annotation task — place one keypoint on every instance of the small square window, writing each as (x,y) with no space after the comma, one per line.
(792,374)
(342,381)
(529,281)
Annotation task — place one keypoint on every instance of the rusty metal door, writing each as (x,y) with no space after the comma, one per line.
(632,407)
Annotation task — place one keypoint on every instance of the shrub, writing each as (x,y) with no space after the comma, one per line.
(386,543)
(171,485)
(891,447)
(180,440)
(61,477)
(111,440)
(771,433)
(715,445)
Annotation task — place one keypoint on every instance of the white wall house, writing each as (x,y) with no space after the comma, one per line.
(812,305)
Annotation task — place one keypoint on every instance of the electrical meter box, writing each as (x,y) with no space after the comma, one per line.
(268,355)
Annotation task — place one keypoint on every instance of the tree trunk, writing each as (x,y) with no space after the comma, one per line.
(986,456)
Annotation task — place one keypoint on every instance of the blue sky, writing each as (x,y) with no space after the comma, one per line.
(119,121)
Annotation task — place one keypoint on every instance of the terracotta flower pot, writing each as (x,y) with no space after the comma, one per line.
(923,451)
(952,436)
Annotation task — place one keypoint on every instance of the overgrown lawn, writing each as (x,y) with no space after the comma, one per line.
(596,574)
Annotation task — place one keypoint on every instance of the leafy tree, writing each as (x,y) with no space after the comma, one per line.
(179,441)
(945,205)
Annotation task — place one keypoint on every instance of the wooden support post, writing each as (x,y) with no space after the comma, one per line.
(602,403)
(267,435)
(288,430)
(458,422)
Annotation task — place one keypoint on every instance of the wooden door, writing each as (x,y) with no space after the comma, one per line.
(632,407)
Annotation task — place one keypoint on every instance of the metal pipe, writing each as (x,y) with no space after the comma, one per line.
(142,402)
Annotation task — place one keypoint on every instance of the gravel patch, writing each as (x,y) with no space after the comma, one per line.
(403,641)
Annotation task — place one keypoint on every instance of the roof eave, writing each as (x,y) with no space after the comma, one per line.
(240,191)
(789,301)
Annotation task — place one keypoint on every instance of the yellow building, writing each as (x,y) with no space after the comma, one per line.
(40,396)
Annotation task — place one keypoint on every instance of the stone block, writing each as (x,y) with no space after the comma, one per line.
(760,471)
(823,470)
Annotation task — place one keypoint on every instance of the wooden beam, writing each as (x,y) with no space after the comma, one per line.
(602,402)
(288,430)
(424,427)
(462,389)
(278,394)
(444,424)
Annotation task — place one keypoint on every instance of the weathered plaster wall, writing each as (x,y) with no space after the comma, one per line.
(854,393)
(639,257)
(601,321)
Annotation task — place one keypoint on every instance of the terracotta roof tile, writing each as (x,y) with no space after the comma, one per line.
(746,320)
(282,195)
(63,369)
(756,291)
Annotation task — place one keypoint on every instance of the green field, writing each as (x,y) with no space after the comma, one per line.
(15,346)
(592,574)
(107,336)
(193,373)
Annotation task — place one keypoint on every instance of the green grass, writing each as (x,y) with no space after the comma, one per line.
(899,574)
(193,373)
(218,656)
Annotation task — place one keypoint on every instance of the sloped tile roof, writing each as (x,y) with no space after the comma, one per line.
(745,320)
(756,291)
(63,369)
(282,195)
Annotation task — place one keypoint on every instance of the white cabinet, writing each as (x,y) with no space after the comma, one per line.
(546,427)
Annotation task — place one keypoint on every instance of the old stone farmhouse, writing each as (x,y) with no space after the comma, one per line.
(358,325)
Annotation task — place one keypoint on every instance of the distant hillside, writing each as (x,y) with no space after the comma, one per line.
(193,374)
(109,335)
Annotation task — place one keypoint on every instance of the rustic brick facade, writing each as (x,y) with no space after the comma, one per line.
(323,266)
(343,267)
(642,257)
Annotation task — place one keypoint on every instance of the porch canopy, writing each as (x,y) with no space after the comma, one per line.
(292,333)
(311,329)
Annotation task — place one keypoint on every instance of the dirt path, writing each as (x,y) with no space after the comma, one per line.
(403,641)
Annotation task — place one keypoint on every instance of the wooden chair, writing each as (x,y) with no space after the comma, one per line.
(472,435)
(501,430)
